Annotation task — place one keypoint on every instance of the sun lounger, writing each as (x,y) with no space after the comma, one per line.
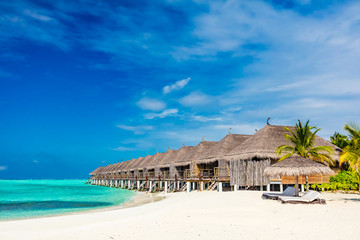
(310,197)
(289,191)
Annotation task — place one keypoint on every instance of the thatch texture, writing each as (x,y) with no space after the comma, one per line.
(183,155)
(263,143)
(149,159)
(200,150)
(165,160)
(221,148)
(105,170)
(297,166)
(249,172)
(132,162)
(111,169)
(119,167)
(136,164)
(114,168)
(125,166)
(96,171)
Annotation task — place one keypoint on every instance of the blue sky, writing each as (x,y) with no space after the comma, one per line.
(89,83)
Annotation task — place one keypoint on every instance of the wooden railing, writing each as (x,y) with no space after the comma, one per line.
(206,173)
(224,171)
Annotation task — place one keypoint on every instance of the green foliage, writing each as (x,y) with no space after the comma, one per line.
(303,141)
(343,181)
(340,140)
(351,153)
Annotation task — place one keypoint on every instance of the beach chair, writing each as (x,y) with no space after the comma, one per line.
(289,191)
(310,197)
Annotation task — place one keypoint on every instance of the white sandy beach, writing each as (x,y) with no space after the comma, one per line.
(201,215)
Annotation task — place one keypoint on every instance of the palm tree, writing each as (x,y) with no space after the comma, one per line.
(351,153)
(339,140)
(303,141)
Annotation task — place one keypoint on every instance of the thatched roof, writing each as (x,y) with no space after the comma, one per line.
(165,160)
(149,159)
(105,169)
(221,148)
(297,166)
(112,168)
(136,163)
(125,166)
(120,167)
(183,155)
(132,162)
(264,142)
(115,168)
(201,149)
(96,171)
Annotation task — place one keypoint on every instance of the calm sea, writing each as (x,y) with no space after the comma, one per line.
(33,198)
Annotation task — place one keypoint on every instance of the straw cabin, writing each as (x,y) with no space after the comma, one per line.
(237,160)
(296,166)
(130,169)
(122,169)
(201,170)
(94,173)
(112,172)
(150,172)
(125,168)
(213,158)
(162,165)
(249,159)
(180,167)
(138,172)
(118,169)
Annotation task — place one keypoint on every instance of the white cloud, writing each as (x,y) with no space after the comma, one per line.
(196,99)
(3,168)
(176,86)
(205,119)
(141,129)
(123,149)
(151,104)
(37,16)
(163,114)
(231,110)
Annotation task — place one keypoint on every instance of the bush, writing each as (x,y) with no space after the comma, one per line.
(344,180)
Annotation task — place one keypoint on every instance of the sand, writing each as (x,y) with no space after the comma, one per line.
(200,215)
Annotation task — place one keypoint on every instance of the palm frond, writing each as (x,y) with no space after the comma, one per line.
(284,149)
(286,156)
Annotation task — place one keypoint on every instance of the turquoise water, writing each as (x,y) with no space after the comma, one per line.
(34,198)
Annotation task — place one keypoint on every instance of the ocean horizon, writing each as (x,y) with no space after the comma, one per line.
(31,198)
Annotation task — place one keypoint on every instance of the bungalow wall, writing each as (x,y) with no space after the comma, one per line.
(224,173)
(249,172)
(302,180)
(179,171)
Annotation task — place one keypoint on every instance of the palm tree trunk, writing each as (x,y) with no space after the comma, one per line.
(296,185)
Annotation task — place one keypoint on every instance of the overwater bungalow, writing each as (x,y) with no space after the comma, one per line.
(249,159)
(235,162)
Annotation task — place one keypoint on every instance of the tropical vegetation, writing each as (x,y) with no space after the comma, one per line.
(303,144)
(343,181)
(340,140)
(351,153)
